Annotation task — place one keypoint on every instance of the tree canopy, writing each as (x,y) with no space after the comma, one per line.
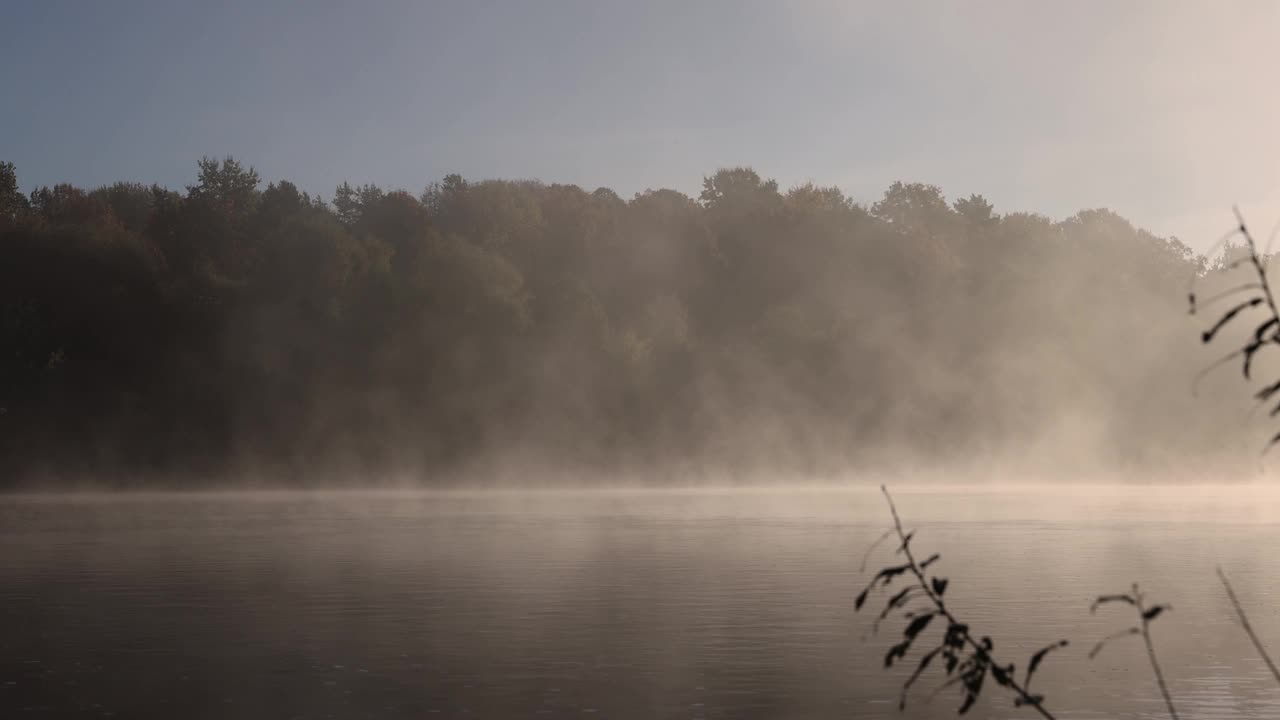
(233,327)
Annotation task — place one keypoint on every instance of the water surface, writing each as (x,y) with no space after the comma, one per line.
(653,604)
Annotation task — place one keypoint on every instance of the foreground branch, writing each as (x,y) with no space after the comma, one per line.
(1258,295)
(970,671)
(1146,615)
(1248,629)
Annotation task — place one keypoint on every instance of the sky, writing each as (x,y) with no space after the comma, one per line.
(1163,111)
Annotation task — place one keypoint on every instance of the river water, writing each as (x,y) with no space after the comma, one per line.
(614,604)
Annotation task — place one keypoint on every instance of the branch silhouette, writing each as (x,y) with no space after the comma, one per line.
(1248,628)
(969,671)
(1267,332)
(1146,615)
(1259,295)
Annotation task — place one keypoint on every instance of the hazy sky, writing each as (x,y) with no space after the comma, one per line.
(1166,112)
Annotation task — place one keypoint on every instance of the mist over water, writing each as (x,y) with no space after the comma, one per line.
(500,388)
(623,604)
(488,331)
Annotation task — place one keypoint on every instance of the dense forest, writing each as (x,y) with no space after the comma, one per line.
(499,328)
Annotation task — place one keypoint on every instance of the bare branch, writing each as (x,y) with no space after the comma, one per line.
(1248,629)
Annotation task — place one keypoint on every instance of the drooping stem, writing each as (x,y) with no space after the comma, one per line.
(1256,260)
(1023,694)
(1248,628)
(1267,333)
(1151,654)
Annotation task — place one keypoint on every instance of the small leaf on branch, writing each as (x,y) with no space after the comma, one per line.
(924,663)
(917,625)
(896,652)
(1265,393)
(1102,643)
(1104,599)
(1228,317)
(939,586)
(1154,612)
(1039,657)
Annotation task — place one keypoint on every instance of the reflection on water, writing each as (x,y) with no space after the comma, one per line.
(724,604)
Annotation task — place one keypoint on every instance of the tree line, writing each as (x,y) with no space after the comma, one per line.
(491,326)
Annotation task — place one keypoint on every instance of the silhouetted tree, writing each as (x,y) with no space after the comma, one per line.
(233,325)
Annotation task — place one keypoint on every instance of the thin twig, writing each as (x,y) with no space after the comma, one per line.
(1145,616)
(1026,697)
(1151,654)
(1248,629)
(1267,333)
(1257,264)
(1206,302)
(863,567)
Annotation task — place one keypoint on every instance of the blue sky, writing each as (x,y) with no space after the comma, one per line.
(1163,111)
